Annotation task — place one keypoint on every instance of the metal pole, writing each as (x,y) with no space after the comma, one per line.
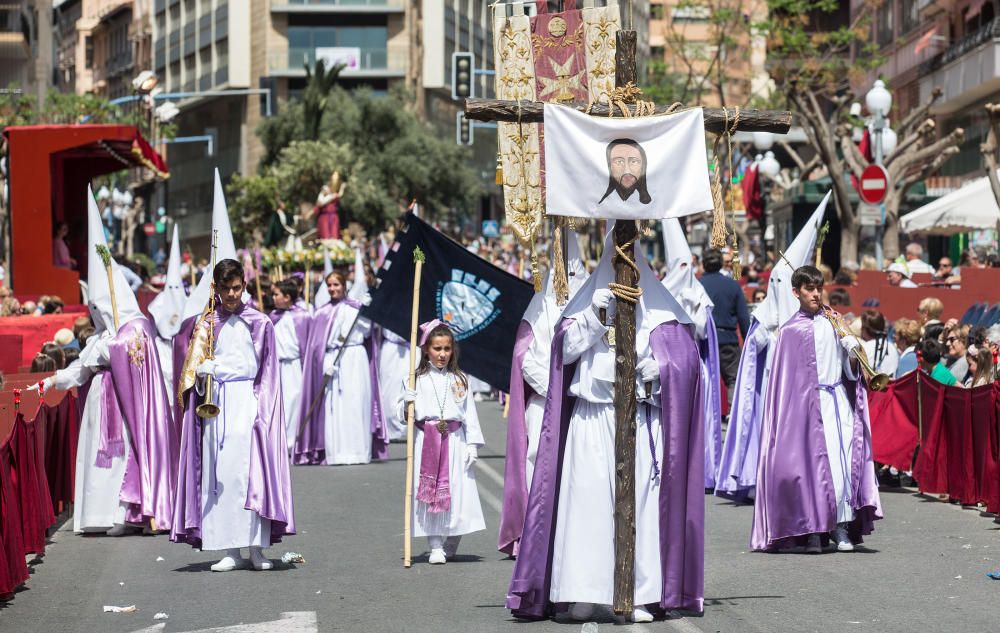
(880,229)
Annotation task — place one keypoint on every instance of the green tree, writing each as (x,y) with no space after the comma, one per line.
(314,99)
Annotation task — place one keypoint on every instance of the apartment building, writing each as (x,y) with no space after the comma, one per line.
(25,46)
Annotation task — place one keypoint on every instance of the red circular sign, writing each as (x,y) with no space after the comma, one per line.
(874,184)
(149,229)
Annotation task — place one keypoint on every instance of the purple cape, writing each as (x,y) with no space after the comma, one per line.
(151,466)
(302,321)
(795,493)
(310,445)
(708,349)
(515,478)
(682,497)
(737,474)
(269,492)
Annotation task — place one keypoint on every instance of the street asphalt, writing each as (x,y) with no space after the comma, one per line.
(922,570)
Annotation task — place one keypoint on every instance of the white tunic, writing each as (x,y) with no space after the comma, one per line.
(226,444)
(466,513)
(96,503)
(347,406)
(165,348)
(535,370)
(583,558)
(290,361)
(832,366)
(393,369)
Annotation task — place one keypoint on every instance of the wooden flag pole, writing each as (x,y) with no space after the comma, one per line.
(259,271)
(418,261)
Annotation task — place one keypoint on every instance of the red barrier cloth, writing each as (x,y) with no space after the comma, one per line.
(35,331)
(13,570)
(37,432)
(25,478)
(960,451)
(61,433)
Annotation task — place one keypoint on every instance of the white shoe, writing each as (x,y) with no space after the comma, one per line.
(581,611)
(437,557)
(260,562)
(843,541)
(226,564)
(118,530)
(814,545)
(640,614)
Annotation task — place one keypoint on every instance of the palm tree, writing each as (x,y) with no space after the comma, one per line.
(319,83)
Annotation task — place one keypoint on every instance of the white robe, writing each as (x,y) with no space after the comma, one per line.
(890,357)
(226,445)
(165,348)
(96,503)
(290,367)
(347,405)
(393,369)
(583,554)
(535,370)
(466,513)
(832,366)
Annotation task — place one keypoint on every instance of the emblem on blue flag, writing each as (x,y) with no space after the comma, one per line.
(467,304)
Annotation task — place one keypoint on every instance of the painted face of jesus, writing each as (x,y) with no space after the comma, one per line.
(627,166)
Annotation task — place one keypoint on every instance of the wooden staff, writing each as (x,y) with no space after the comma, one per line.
(259,269)
(418,264)
(105,255)
(307,283)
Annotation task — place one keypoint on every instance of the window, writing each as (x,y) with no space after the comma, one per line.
(883,24)
(909,16)
(690,14)
(656,12)
(88,45)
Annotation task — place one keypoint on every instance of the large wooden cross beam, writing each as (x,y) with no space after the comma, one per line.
(626,232)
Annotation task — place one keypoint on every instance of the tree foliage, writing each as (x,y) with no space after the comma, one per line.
(384,153)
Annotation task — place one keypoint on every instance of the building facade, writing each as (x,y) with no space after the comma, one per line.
(26,47)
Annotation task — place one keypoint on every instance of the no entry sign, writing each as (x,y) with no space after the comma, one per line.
(874,184)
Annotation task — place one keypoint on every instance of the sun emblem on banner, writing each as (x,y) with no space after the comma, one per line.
(467,304)
(563,84)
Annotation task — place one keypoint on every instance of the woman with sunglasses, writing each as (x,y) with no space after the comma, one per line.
(954,338)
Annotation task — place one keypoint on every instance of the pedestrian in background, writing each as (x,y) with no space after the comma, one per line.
(730,312)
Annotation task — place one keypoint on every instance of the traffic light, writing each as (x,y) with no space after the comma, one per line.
(463,68)
(463,129)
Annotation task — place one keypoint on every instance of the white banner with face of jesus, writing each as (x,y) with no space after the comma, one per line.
(639,168)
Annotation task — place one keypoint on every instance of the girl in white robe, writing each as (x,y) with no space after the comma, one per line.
(347,404)
(289,347)
(442,394)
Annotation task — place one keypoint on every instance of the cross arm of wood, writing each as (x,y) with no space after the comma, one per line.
(716,119)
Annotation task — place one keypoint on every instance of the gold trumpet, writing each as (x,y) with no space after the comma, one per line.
(200,349)
(876,381)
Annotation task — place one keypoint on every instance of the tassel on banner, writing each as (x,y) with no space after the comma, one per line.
(499,175)
(719,233)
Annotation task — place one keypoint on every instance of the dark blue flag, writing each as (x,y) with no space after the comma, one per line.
(481,303)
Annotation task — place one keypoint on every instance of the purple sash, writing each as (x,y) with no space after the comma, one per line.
(112,439)
(435,488)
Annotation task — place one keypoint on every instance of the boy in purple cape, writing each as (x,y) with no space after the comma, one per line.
(815,477)
(234,486)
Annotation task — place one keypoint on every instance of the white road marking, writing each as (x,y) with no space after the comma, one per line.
(289,622)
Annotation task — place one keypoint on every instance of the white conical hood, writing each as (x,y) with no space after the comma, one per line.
(657,305)
(168,306)
(323,294)
(680,279)
(99,293)
(543,311)
(359,289)
(675,246)
(199,297)
(780,304)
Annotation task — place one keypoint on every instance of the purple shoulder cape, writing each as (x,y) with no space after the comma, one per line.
(682,496)
(737,474)
(310,445)
(302,321)
(269,493)
(151,465)
(515,479)
(708,349)
(795,494)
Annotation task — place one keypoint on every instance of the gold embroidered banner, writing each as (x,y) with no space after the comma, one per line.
(600,26)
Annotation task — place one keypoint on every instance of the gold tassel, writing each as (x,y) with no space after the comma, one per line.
(499,178)
(536,275)
(719,234)
(559,278)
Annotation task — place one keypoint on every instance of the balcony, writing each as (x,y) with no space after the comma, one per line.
(15,43)
(385,62)
(967,71)
(337,6)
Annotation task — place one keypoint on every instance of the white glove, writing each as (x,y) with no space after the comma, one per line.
(761,337)
(367,299)
(648,370)
(330,367)
(409,395)
(850,343)
(601,300)
(102,351)
(471,456)
(40,385)
(207,368)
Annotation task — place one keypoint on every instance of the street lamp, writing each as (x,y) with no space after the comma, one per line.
(769,165)
(879,102)
(763,141)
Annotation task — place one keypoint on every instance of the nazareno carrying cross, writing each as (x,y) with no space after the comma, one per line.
(626,284)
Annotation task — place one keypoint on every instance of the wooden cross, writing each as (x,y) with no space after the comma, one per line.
(626,231)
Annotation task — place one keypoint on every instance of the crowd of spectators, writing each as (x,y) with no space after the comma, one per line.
(64,348)
(10,306)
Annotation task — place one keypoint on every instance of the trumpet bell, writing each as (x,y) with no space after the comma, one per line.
(207,410)
(879,382)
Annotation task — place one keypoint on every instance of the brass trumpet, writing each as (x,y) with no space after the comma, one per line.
(202,348)
(876,381)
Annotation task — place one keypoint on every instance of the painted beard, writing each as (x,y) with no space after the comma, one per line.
(625,191)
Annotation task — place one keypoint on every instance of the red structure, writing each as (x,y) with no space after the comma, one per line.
(50,168)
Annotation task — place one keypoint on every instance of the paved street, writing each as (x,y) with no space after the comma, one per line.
(923,571)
